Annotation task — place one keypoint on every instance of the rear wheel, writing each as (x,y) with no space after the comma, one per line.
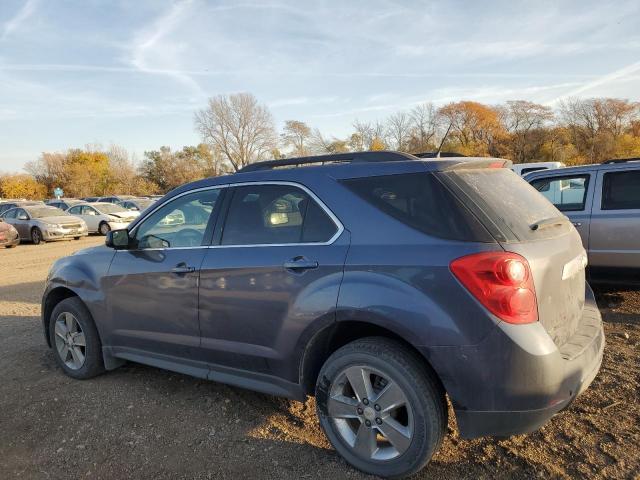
(104,228)
(380,407)
(76,238)
(36,236)
(75,340)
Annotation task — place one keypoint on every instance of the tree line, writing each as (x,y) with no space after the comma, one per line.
(237,130)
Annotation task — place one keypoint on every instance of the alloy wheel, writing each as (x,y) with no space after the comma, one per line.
(71,343)
(371,413)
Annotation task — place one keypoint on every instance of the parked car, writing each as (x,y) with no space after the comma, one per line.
(91,199)
(116,198)
(42,223)
(603,202)
(9,236)
(137,204)
(375,281)
(63,203)
(523,169)
(102,217)
(18,203)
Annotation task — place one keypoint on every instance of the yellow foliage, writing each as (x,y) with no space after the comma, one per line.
(21,186)
(377,145)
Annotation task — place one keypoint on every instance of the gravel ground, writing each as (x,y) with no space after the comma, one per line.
(147,423)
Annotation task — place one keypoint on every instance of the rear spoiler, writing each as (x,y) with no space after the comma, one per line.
(475,163)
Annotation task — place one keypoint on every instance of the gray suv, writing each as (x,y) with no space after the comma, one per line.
(603,202)
(378,282)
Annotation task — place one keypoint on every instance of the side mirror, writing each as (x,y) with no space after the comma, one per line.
(118,239)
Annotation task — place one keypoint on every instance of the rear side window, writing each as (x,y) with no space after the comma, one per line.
(509,202)
(422,202)
(567,193)
(621,190)
(275,214)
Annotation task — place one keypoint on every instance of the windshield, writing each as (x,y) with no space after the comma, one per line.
(110,208)
(142,204)
(46,212)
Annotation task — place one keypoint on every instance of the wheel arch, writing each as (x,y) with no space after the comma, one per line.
(49,302)
(330,338)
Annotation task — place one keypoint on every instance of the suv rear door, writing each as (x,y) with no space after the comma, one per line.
(615,223)
(275,267)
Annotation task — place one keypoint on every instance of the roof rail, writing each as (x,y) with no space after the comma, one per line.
(353,157)
(621,160)
(438,154)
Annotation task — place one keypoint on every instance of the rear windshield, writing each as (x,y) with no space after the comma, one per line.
(510,202)
(422,202)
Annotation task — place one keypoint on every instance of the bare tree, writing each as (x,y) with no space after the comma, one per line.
(424,123)
(399,131)
(296,134)
(238,127)
(525,122)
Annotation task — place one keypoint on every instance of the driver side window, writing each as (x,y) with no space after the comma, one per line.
(180,223)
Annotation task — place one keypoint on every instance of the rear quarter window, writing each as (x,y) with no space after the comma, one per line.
(422,202)
(509,202)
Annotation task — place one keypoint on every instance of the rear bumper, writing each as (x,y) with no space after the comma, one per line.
(9,242)
(517,379)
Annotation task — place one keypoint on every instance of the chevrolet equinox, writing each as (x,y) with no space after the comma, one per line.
(378,282)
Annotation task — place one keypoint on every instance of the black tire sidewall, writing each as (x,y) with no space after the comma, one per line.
(426,436)
(93,363)
(36,231)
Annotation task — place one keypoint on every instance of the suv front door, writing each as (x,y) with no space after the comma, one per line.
(571,195)
(152,288)
(275,267)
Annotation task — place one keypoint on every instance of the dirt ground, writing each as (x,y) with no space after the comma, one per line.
(141,422)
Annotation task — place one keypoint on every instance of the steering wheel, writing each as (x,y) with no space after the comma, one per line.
(188,237)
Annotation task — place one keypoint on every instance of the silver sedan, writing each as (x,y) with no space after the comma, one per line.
(40,223)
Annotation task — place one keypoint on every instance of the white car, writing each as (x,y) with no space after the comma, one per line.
(524,169)
(102,217)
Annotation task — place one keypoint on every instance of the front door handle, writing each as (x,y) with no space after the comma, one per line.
(182,268)
(300,263)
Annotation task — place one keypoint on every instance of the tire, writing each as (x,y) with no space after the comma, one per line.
(92,363)
(104,228)
(76,238)
(10,246)
(422,414)
(36,236)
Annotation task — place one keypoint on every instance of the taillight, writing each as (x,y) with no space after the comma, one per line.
(502,282)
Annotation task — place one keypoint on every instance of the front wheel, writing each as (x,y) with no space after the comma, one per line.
(104,228)
(36,236)
(75,340)
(382,409)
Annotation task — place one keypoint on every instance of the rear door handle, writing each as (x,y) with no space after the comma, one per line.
(300,263)
(182,268)
(577,224)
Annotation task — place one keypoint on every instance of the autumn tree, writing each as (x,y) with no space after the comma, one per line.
(475,128)
(21,186)
(597,126)
(296,135)
(238,127)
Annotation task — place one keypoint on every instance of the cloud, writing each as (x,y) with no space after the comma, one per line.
(615,76)
(149,41)
(14,23)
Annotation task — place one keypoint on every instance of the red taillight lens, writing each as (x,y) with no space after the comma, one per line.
(502,282)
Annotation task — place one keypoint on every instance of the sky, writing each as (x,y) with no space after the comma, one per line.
(134,72)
